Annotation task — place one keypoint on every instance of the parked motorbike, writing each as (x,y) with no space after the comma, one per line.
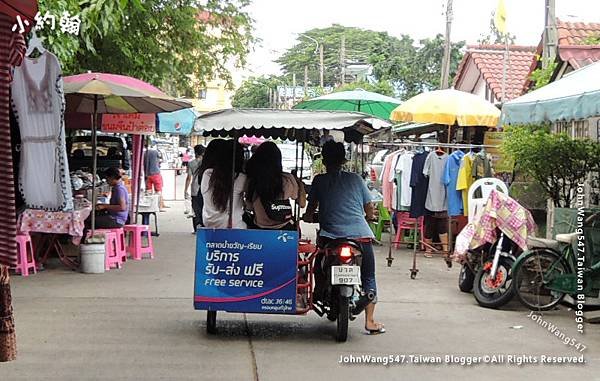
(487,271)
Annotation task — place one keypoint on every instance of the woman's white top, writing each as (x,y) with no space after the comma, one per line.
(214,218)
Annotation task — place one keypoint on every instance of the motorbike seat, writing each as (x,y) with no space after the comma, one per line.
(567,238)
(536,242)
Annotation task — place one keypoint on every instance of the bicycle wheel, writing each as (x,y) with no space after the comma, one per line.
(532,276)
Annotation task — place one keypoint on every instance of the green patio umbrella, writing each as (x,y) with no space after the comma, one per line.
(359,100)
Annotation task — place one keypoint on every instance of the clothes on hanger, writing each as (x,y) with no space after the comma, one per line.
(39,105)
(436,191)
(419,184)
(403,170)
(482,165)
(465,180)
(387,179)
(451,169)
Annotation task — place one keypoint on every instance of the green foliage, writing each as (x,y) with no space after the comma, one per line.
(159,41)
(542,76)
(408,68)
(592,40)
(254,92)
(381,87)
(555,161)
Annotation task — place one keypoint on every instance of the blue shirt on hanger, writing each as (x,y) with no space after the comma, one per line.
(455,201)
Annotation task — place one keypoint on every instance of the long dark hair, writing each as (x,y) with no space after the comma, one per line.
(265,174)
(220,180)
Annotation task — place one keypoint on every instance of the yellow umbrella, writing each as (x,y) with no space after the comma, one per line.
(447,107)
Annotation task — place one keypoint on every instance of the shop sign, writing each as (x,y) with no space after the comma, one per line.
(134,124)
(500,162)
(246,270)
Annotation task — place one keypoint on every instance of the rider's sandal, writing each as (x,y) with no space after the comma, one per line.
(377,331)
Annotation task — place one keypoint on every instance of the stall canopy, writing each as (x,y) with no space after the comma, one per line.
(287,124)
(575,96)
(407,129)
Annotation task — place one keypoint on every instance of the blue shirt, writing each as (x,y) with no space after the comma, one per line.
(341,197)
(455,200)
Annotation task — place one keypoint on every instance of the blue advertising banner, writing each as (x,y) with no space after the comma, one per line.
(246,271)
(178,122)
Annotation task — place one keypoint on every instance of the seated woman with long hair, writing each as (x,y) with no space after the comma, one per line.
(270,189)
(216,186)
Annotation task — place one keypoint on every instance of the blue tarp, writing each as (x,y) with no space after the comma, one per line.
(575,96)
(179,122)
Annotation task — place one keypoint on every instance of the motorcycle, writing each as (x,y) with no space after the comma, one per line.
(338,294)
(487,270)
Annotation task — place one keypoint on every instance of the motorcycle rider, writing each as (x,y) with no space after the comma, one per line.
(343,201)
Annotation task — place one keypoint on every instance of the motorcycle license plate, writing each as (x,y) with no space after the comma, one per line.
(345,275)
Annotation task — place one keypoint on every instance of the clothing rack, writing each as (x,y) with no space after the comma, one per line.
(426,144)
(414,270)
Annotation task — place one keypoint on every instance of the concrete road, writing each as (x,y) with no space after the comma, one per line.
(138,323)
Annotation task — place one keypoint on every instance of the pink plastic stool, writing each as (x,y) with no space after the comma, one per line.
(405,222)
(121,247)
(135,246)
(25,257)
(111,256)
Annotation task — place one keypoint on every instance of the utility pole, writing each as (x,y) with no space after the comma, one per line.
(550,33)
(321,68)
(343,60)
(305,81)
(447,48)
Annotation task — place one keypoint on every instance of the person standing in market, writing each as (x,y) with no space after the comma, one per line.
(192,186)
(154,180)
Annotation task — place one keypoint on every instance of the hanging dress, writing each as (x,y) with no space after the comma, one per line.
(39,103)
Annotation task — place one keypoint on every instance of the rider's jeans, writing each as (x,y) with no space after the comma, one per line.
(367,270)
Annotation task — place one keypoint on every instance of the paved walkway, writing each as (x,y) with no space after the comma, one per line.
(138,323)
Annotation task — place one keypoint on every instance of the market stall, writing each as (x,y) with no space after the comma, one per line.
(431,186)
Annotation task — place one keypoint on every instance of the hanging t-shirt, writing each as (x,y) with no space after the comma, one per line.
(436,192)
(404,169)
(482,166)
(465,180)
(455,201)
(419,184)
(387,184)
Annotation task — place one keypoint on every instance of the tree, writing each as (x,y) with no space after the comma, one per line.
(408,68)
(555,161)
(166,43)
(254,92)
(381,87)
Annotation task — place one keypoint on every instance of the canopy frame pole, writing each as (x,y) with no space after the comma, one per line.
(94,162)
(233,176)
(139,176)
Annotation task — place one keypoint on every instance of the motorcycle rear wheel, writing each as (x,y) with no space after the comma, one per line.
(342,319)
(531,276)
(494,293)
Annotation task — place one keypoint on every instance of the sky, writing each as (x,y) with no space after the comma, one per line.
(278,22)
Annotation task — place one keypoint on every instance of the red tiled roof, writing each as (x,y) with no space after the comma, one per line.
(579,56)
(576,33)
(489,60)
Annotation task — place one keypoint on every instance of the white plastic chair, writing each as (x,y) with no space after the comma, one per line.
(486,185)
